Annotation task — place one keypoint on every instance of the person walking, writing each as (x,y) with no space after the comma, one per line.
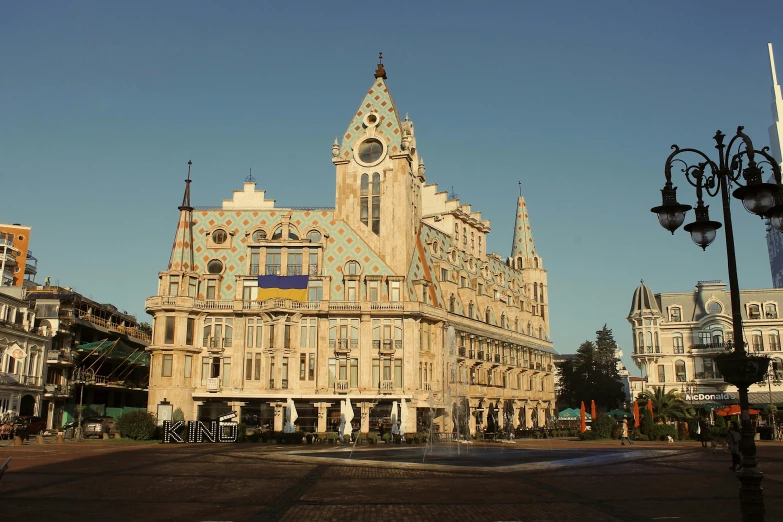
(733,438)
(704,431)
(625,434)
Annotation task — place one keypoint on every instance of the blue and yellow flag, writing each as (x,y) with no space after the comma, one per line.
(282,287)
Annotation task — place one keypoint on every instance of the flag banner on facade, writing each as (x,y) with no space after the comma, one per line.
(282,287)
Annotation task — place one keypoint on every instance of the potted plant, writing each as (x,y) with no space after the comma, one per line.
(309,438)
(386,438)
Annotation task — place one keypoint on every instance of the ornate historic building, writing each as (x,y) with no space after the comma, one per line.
(404,305)
(677,335)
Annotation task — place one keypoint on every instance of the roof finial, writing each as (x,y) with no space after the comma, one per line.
(250,178)
(189,164)
(186,197)
(642,281)
(520,189)
(380,72)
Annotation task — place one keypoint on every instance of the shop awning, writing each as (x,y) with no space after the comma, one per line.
(116,350)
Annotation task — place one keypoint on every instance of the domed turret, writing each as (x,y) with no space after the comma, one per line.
(644,302)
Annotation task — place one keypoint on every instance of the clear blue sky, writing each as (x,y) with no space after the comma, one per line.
(101,107)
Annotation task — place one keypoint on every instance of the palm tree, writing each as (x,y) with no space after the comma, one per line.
(667,405)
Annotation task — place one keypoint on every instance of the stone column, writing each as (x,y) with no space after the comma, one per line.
(278,422)
(410,420)
(472,417)
(365,353)
(501,414)
(365,409)
(529,405)
(236,407)
(322,406)
(515,418)
(196,404)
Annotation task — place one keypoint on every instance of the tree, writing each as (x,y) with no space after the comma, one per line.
(667,405)
(592,374)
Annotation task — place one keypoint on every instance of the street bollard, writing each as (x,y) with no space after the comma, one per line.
(105,436)
(117,436)
(18,441)
(60,439)
(39,439)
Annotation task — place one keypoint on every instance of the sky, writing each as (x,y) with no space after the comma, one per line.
(102,104)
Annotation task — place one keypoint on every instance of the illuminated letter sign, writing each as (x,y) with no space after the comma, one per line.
(223,430)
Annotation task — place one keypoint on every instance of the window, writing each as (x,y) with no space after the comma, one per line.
(193,287)
(284,382)
(676,314)
(350,290)
(278,233)
(770,311)
(188,366)
(754,311)
(464,238)
(173,285)
(271,343)
(757,341)
(394,291)
(426,336)
(219,236)
(679,369)
(488,316)
(311,367)
(189,330)
(258,236)
(678,344)
(452,303)
(211,289)
(166,368)
(314,236)
(293,235)
(705,337)
(714,307)
(169,338)
(271,372)
(352,268)
(254,336)
(374,290)
(294,262)
(273,261)
(287,336)
(661,373)
(444,274)
(308,332)
(376,203)
(315,290)
(774,341)
(480,289)
(456,234)
(313,268)
(370,150)
(463,281)
(206,362)
(302,366)
(472,242)
(470,309)
(365,209)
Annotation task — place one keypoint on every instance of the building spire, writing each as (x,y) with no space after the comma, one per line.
(182,251)
(523,245)
(776,129)
(380,72)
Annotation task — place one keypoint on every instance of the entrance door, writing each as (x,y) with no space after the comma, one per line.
(27,405)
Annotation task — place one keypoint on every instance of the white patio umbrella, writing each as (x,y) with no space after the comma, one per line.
(395,428)
(403,418)
(348,417)
(291,416)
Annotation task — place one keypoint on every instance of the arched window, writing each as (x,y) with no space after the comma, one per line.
(503,320)
(456,234)
(278,233)
(649,343)
(292,233)
(472,242)
(758,341)
(365,209)
(677,343)
(640,342)
(479,250)
(314,236)
(376,203)
(520,263)
(657,345)
(774,341)
(535,262)
(679,370)
(488,315)
(352,268)
(452,303)
(464,238)
(259,235)
(470,309)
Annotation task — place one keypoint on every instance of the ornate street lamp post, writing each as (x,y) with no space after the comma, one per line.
(738,163)
(772,378)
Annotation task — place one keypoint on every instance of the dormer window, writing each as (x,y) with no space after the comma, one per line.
(676,314)
(754,311)
(714,307)
(314,236)
(352,268)
(771,311)
(258,236)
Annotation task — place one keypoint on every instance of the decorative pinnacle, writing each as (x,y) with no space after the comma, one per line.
(520,189)
(380,72)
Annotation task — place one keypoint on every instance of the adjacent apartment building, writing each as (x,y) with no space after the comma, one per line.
(677,335)
(403,302)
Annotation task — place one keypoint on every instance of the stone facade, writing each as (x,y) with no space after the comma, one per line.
(404,303)
(677,335)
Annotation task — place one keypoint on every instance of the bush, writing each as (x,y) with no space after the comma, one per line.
(602,426)
(660,432)
(386,437)
(347,439)
(646,422)
(617,431)
(588,435)
(683,429)
(137,425)
(178,415)
(321,437)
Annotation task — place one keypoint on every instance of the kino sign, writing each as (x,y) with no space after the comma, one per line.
(710,396)
(221,430)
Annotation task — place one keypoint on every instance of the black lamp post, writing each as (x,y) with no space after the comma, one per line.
(736,165)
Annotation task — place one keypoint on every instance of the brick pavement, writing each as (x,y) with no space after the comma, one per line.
(99,480)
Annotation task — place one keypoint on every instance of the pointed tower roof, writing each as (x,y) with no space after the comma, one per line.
(182,251)
(644,302)
(523,245)
(776,129)
(378,100)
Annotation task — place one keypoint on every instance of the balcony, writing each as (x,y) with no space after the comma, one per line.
(461,351)
(254,270)
(387,386)
(345,306)
(343,345)
(272,270)
(213,384)
(30,380)
(341,386)
(313,270)
(380,306)
(294,270)
(55,357)
(131,331)
(284,384)
(481,355)
(215,343)
(713,347)
(387,346)
(58,390)
(708,376)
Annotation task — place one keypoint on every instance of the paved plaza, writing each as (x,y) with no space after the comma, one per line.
(555,480)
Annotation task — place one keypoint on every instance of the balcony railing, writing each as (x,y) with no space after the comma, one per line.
(708,375)
(386,306)
(294,270)
(461,351)
(387,385)
(218,342)
(313,270)
(345,306)
(272,270)
(713,346)
(57,356)
(213,384)
(109,325)
(30,380)
(253,269)
(58,389)
(341,385)
(284,384)
(343,345)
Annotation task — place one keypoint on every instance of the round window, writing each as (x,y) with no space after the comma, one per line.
(215,266)
(371,120)
(370,151)
(714,307)
(219,237)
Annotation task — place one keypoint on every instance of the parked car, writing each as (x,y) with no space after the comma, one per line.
(97,426)
(29,425)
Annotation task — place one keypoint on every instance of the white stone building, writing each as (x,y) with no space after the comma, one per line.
(677,335)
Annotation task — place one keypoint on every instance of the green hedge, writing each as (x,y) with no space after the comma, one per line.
(137,425)
(660,432)
(602,426)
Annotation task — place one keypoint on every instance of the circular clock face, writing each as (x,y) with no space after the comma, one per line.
(370,151)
